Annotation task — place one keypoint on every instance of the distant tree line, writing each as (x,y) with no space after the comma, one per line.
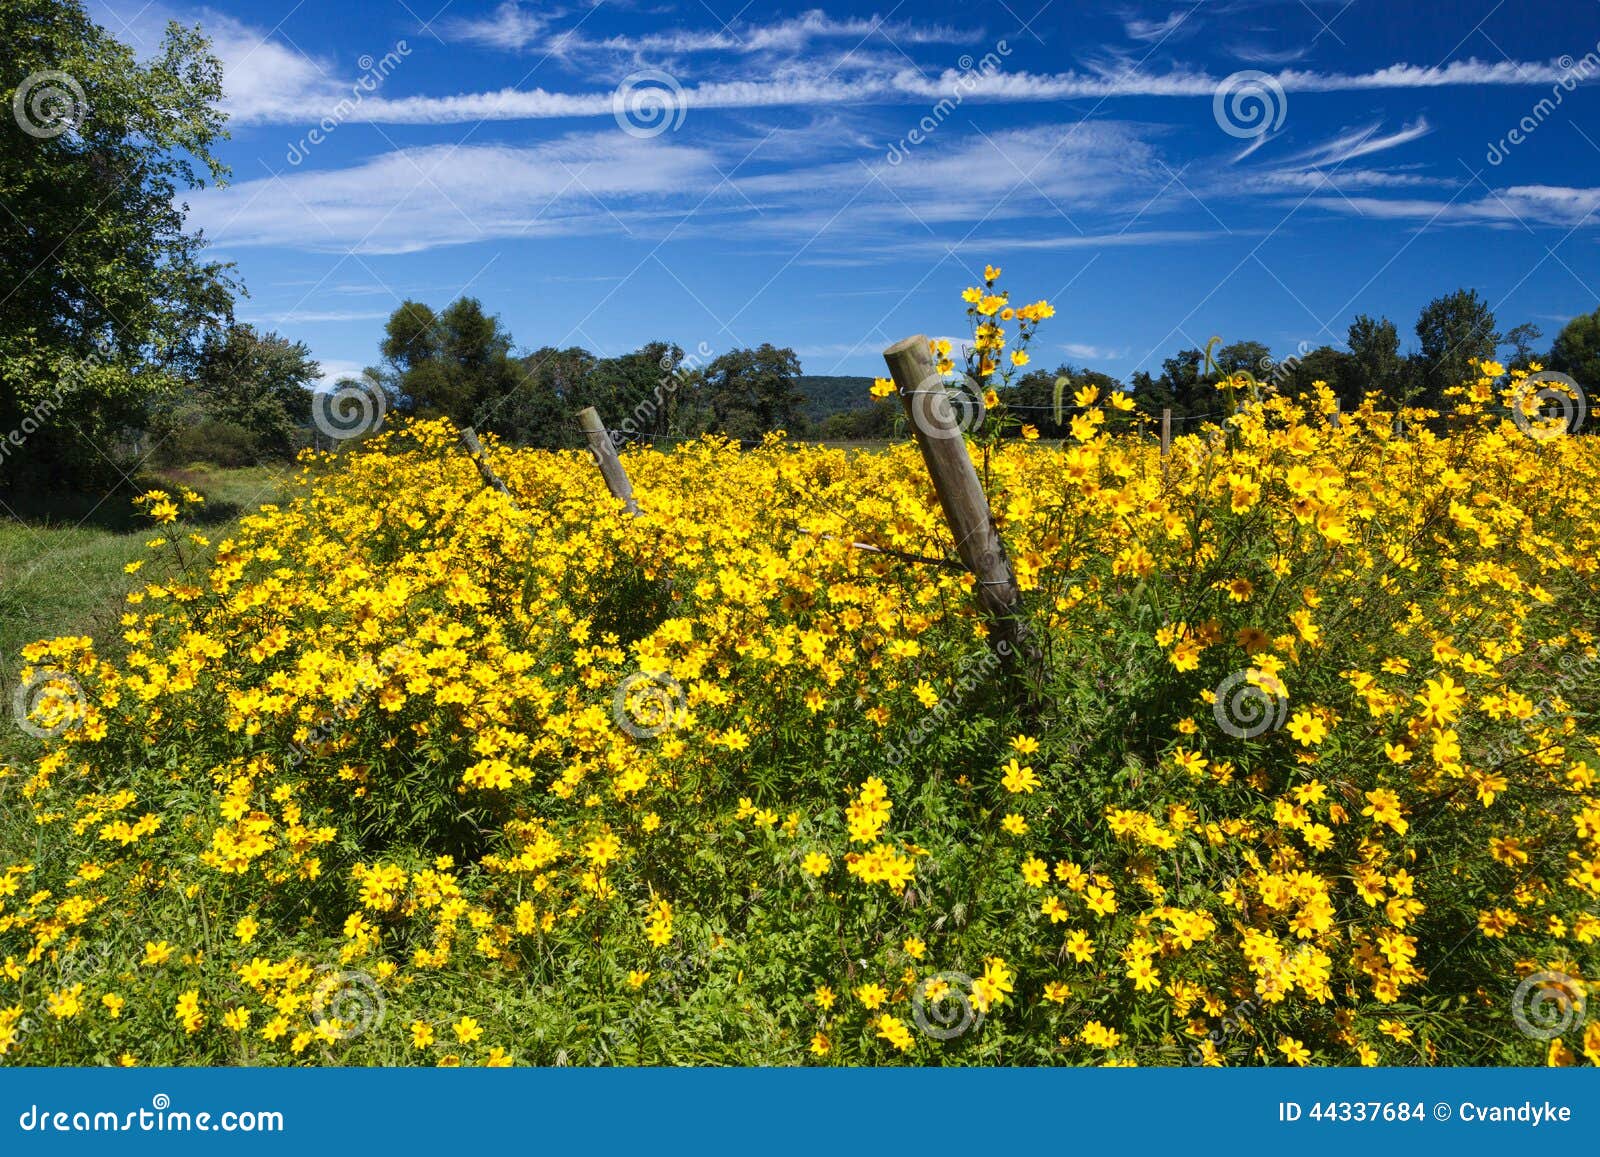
(461,363)
(119,343)
(1450,332)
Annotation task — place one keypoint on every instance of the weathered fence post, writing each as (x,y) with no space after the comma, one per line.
(605,454)
(469,439)
(955,480)
(1166,431)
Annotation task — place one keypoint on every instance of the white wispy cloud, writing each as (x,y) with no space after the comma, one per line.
(1078,349)
(1558,206)
(1147,30)
(511,27)
(1324,165)
(315,316)
(999,247)
(333,369)
(518,27)
(1359,142)
(417,198)
(816,86)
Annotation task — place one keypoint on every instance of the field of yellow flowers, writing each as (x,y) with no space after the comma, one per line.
(411,771)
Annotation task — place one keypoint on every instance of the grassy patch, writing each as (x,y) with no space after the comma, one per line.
(62,557)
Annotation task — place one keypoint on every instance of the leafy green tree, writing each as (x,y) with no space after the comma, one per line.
(1375,364)
(538,409)
(1180,388)
(1323,364)
(250,397)
(753,391)
(455,364)
(1576,352)
(1250,356)
(410,336)
(642,394)
(1521,338)
(1453,330)
(107,297)
(1032,396)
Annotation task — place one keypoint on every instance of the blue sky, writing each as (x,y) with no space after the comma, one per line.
(604,174)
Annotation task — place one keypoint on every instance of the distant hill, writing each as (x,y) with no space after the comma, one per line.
(833,395)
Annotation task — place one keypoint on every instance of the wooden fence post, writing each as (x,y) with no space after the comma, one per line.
(1166,431)
(469,439)
(955,480)
(605,454)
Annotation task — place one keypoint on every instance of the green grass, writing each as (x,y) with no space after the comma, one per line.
(62,559)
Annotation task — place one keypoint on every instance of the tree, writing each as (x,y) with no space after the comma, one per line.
(1521,338)
(642,393)
(1324,364)
(251,393)
(108,299)
(1034,395)
(1375,365)
(754,391)
(1178,388)
(1250,356)
(455,364)
(538,410)
(1453,330)
(1576,351)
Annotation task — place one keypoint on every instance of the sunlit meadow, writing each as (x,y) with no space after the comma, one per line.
(410,771)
